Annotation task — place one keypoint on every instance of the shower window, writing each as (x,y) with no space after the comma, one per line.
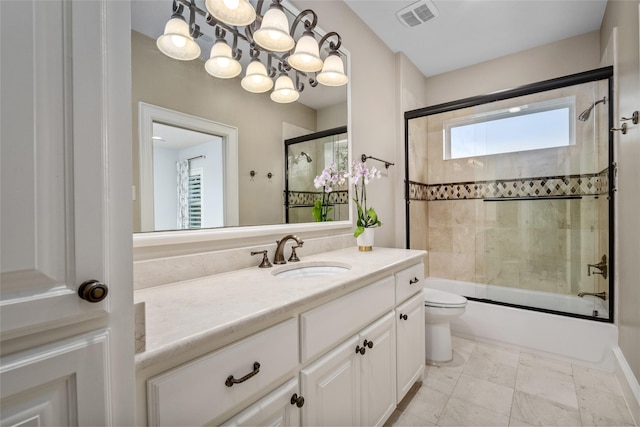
(518,128)
(523,214)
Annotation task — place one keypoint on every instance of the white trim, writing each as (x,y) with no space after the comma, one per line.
(147,114)
(628,384)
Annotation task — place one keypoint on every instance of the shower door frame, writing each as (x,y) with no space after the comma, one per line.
(604,73)
(292,141)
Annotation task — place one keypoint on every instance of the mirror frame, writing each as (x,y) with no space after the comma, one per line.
(248,234)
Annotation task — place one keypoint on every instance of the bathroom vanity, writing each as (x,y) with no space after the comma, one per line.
(334,346)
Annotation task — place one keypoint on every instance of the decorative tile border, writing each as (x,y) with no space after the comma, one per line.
(307,198)
(551,186)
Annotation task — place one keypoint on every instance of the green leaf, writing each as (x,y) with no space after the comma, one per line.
(359,231)
(316,210)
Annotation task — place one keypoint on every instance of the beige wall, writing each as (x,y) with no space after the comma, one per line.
(332,117)
(557,59)
(623,15)
(186,87)
(411,94)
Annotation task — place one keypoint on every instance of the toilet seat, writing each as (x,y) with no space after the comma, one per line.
(441,299)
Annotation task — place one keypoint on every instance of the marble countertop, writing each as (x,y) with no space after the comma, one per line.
(184,315)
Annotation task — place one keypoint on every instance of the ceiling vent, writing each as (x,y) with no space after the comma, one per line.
(417,13)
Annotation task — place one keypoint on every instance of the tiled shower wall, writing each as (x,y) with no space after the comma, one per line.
(530,244)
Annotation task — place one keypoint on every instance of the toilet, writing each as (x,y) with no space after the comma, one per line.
(440,308)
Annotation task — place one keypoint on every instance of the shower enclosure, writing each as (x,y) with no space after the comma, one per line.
(512,192)
(305,158)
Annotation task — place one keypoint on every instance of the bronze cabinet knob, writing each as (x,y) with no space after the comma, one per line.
(403,316)
(368,343)
(93,291)
(360,350)
(297,400)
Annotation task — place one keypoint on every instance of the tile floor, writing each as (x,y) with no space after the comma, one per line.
(485,385)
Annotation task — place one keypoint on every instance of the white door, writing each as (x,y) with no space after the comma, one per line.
(378,371)
(410,337)
(66,213)
(330,388)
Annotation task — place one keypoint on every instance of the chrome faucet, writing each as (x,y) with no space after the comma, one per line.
(278,258)
(602,266)
(601,295)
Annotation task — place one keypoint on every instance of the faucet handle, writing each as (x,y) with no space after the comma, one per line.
(265,259)
(294,255)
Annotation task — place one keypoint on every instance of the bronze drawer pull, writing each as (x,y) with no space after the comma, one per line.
(414,280)
(231,380)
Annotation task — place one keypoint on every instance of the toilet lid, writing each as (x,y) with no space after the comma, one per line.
(436,298)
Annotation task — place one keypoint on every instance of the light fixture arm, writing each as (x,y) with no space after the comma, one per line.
(308,26)
(178,8)
(299,84)
(194,29)
(333,46)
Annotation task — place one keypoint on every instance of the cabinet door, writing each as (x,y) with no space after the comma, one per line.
(410,348)
(66,212)
(330,388)
(275,409)
(378,371)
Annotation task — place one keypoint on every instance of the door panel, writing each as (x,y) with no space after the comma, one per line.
(378,368)
(60,384)
(51,241)
(330,388)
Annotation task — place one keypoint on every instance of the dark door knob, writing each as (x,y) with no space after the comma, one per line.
(93,291)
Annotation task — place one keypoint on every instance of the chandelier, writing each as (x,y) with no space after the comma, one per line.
(267,35)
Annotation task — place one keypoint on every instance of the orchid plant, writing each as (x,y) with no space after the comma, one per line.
(328,179)
(359,176)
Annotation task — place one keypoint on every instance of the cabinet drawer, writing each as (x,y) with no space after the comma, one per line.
(324,327)
(195,393)
(409,281)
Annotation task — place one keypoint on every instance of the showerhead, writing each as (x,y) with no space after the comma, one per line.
(584,116)
(302,153)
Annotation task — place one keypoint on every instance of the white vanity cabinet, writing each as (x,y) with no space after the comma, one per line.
(410,347)
(347,361)
(355,383)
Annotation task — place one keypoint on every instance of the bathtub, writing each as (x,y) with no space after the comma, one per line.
(581,341)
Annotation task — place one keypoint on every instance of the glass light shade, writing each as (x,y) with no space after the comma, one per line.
(176,42)
(284,91)
(332,73)
(273,34)
(232,12)
(256,79)
(221,63)
(306,57)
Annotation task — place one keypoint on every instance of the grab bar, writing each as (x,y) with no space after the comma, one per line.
(510,199)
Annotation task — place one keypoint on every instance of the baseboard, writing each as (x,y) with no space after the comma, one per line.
(628,384)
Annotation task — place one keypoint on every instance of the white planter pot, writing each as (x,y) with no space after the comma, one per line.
(366,239)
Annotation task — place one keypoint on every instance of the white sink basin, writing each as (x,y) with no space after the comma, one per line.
(311,269)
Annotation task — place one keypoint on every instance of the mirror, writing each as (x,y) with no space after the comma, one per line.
(306,158)
(186,90)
